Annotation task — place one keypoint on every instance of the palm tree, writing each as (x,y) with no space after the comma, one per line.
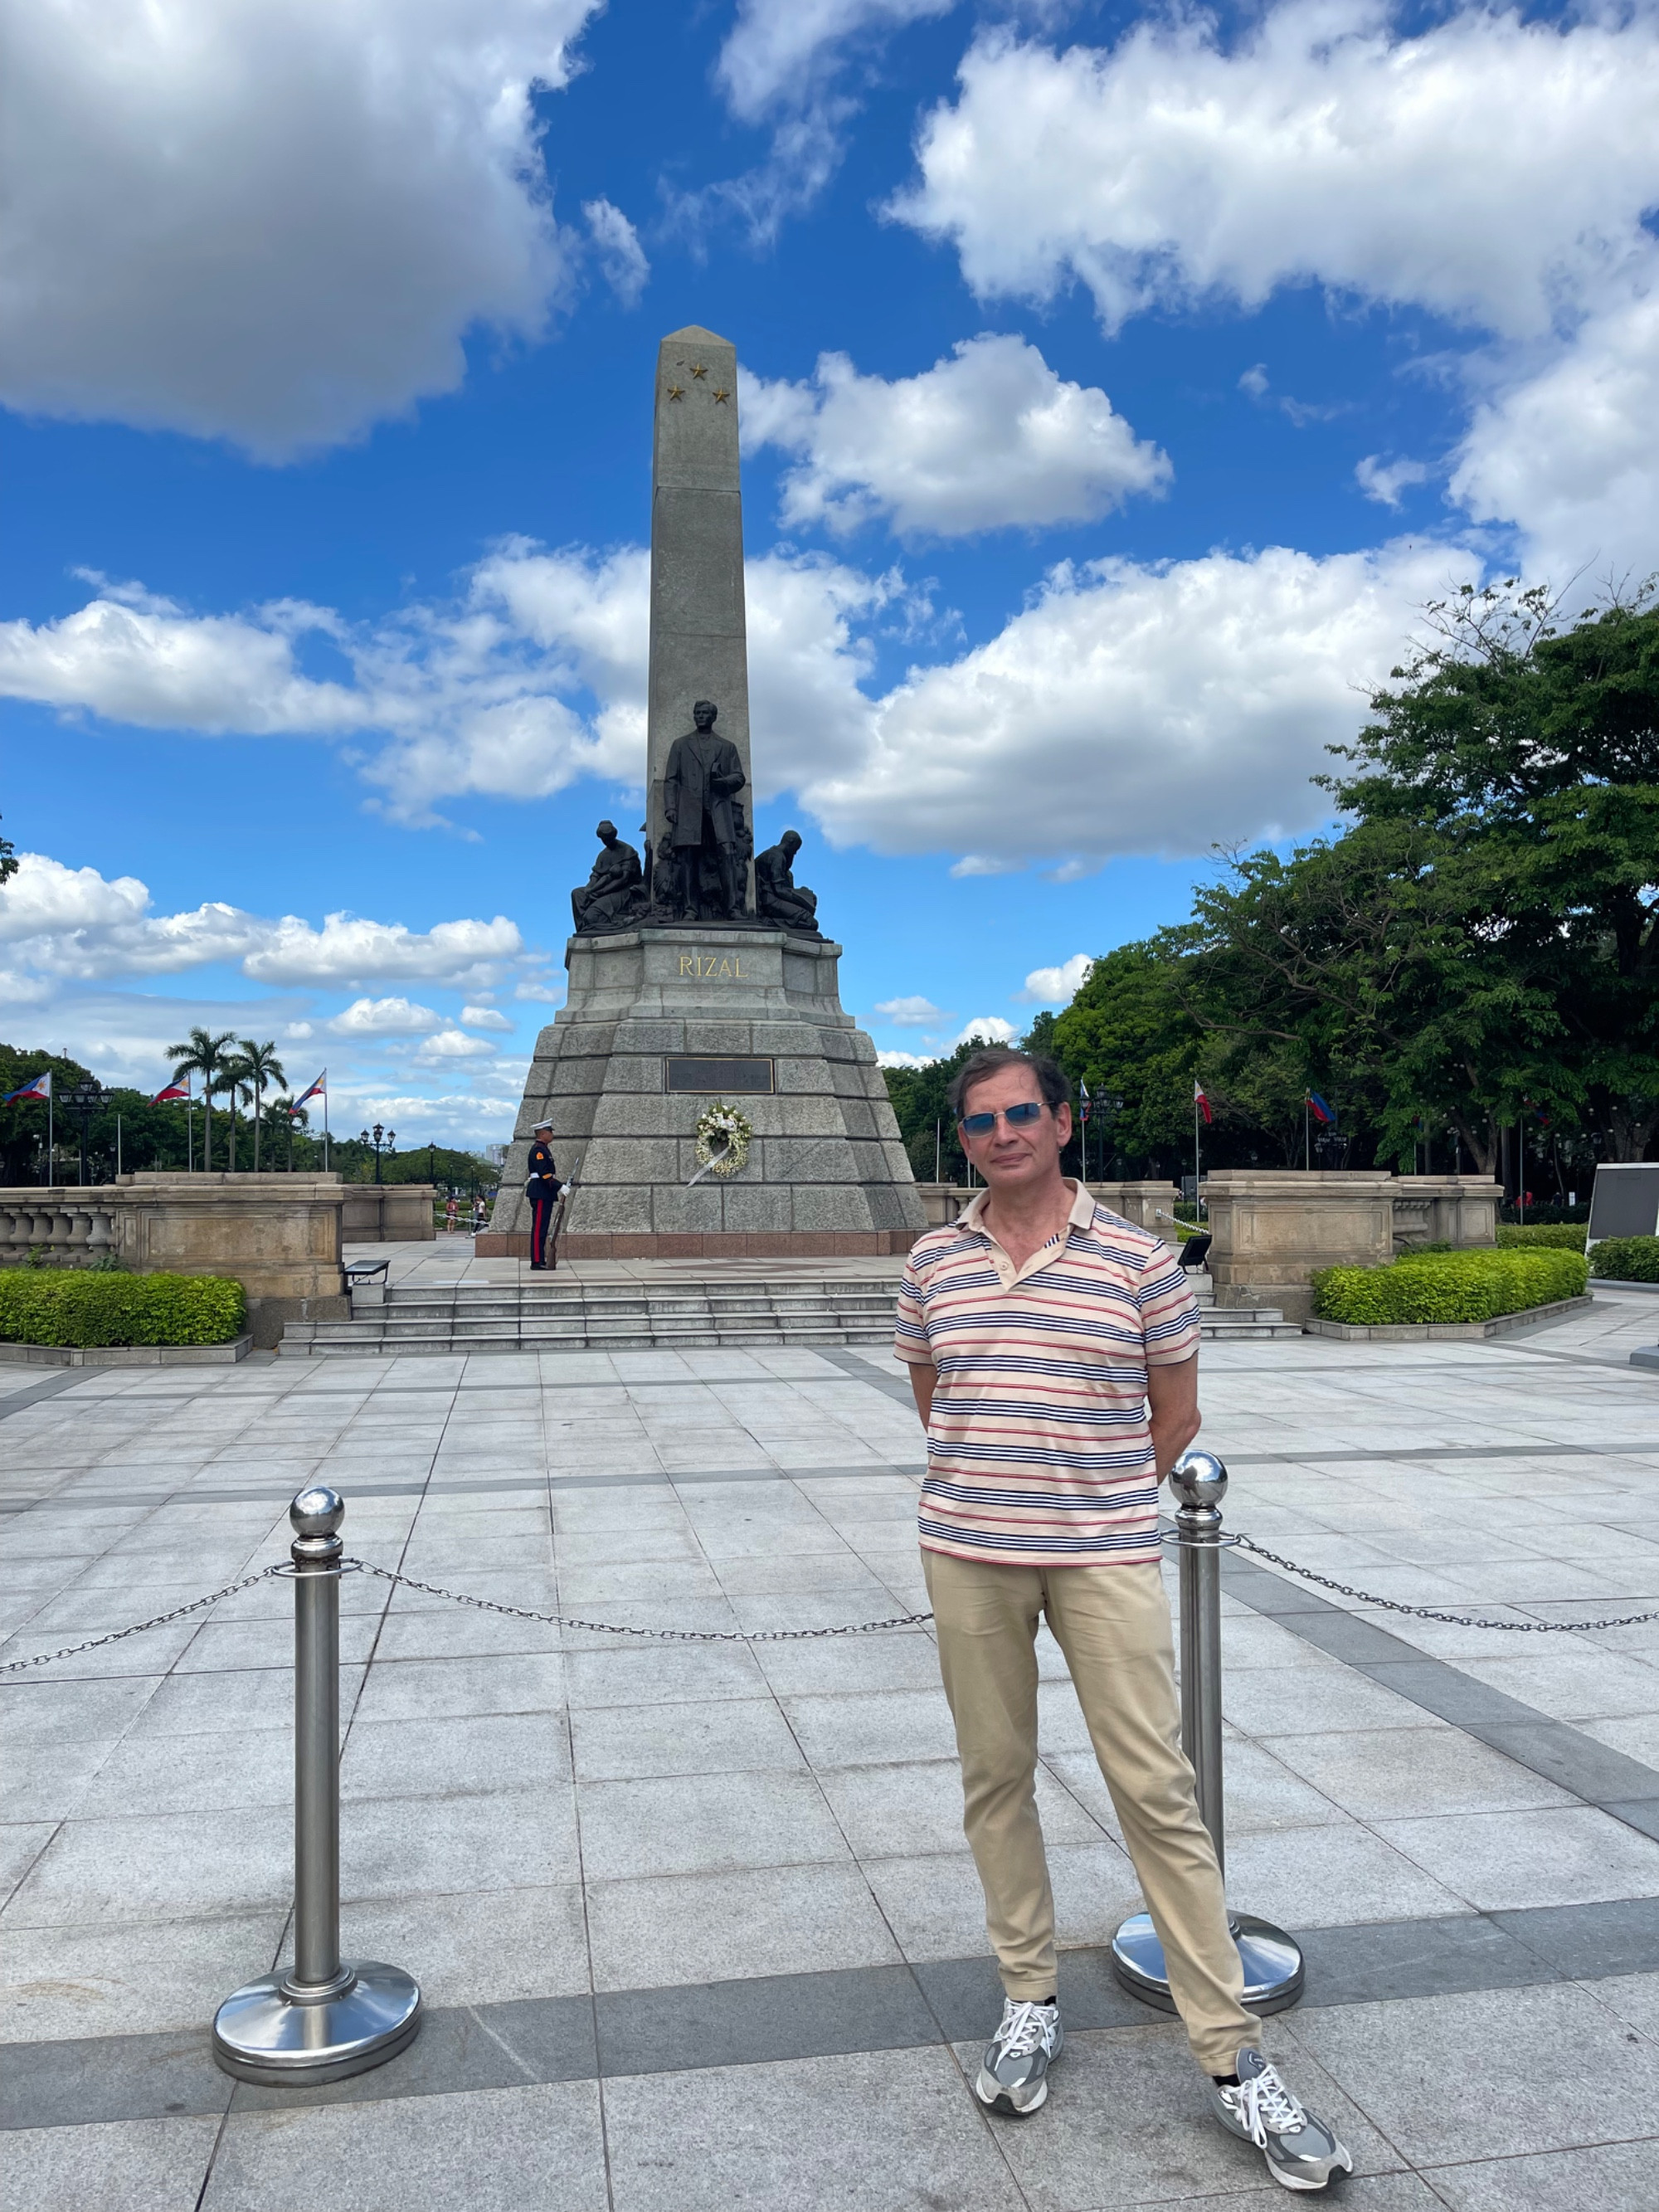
(237,1085)
(260,1065)
(204,1055)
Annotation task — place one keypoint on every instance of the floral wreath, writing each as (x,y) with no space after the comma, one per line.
(723,1140)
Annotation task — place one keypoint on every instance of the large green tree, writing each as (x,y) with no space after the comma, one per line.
(1516,758)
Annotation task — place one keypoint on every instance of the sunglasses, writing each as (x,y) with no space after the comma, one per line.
(1017,1117)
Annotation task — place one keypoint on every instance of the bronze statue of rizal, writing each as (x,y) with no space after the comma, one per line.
(704,776)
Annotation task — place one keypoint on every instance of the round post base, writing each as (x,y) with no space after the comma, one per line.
(260,2035)
(1271,1959)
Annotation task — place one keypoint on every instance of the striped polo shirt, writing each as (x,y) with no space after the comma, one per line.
(1038,1449)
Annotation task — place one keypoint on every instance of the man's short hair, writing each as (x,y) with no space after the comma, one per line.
(991,1060)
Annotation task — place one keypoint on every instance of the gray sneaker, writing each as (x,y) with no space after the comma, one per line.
(1301,2151)
(1014,2075)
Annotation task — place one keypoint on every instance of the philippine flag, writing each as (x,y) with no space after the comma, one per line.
(321,1084)
(38,1086)
(1322,1111)
(173,1090)
(1083,1093)
(1200,1101)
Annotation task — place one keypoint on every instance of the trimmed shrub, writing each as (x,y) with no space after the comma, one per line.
(1544,1235)
(1626,1259)
(1448,1287)
(79,1308)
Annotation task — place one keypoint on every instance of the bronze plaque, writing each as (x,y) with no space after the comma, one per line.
(719,1076)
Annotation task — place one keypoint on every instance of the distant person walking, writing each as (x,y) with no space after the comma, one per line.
(452,1214)
(1053,1349)
(542,1190)
(480,1216)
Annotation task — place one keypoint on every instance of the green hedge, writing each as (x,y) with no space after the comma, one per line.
(1544,1235)
(1626,1259)
(77,1307)
(1448,1287)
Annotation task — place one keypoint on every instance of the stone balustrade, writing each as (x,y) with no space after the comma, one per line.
(1149,1204)
(278,1235)
(62,1223)
(1273,1229)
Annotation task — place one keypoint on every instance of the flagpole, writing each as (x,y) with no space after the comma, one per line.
(1197,1214)
(51,1140)
(1307,1138)
(325,1120)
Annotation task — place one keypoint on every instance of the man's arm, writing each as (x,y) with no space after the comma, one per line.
(1172,1410)
(923,1377)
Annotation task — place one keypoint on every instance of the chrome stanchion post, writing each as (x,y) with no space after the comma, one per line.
(327,2018)
(1272,1959)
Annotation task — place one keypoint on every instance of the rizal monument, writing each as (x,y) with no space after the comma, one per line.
(708,1097)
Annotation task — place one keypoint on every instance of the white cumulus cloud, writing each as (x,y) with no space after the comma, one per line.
(484,1018)
(1384,480)
(348,948)
(1136,709)
(1057,985)
(1482,168)
(914,1012)
(782,49)
(986,439)
(378,1018)
(985,1029)
(453,1044)
(1497,171)
(620,256)
(136,659)
(904,1060)
(74,922)
(1571,450)
(275,223)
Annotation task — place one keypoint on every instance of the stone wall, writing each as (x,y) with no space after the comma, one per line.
(1460,1210)
(278,1235)
(1273,1229)
(389,1213)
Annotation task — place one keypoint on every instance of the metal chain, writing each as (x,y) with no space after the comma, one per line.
(795,1635)
(660,1635)
(1428,1612)
(162,1620)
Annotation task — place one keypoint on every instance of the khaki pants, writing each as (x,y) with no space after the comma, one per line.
(1112,1625)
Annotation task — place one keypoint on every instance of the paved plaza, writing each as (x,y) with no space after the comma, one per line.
(695,1923)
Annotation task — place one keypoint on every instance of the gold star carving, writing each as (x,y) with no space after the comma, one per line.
(677,392)
(699,370)
(722,396)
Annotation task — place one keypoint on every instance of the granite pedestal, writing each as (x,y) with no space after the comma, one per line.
(662,1022)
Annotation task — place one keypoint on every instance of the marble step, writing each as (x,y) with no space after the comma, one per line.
(619,1332)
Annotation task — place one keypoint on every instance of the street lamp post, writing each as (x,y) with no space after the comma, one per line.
(84,1101)
(376,1137)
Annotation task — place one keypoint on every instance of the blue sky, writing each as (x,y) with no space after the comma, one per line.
(1117,386)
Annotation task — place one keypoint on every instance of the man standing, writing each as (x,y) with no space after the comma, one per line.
(1053,1350)
(542,1189)
(704,776)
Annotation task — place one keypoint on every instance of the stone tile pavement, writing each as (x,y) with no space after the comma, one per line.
(695,1923)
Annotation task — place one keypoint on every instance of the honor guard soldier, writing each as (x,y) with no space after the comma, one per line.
(542,1189)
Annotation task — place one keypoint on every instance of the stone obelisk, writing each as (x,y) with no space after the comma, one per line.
(699,640)
(668,1014)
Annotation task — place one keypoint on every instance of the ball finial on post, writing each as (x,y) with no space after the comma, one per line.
(1199,1480)
(317,1511)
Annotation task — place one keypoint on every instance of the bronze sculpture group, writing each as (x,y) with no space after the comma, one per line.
(699,871)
